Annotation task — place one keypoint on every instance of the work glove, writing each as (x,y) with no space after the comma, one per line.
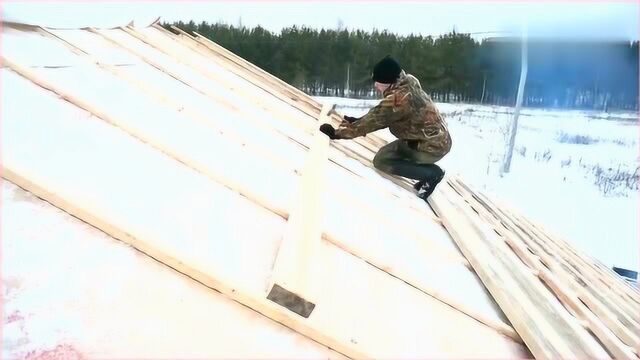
(328,130)
(350,119)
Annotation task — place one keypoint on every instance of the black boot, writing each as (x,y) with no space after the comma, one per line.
(429,185)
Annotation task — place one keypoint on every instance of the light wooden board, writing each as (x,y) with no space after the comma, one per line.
(296,272)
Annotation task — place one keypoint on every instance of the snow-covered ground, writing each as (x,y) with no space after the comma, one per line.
(575,172)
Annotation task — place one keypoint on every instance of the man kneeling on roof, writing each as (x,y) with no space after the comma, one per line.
(411,115)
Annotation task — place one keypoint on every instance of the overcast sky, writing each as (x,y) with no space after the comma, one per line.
(577,19)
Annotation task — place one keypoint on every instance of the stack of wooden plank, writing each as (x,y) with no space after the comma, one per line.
(562,303)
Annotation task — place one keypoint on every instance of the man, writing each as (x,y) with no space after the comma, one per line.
(423,137)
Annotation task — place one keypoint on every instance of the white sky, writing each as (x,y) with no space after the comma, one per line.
(582,19)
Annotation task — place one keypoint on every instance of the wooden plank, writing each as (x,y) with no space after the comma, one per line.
(582,287)
(296,275)
(622,324)
(545,326)
(566,254)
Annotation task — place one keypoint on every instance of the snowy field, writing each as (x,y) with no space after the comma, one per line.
(575,172)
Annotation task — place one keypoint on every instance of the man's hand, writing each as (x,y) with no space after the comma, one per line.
(328,130)
(350,119)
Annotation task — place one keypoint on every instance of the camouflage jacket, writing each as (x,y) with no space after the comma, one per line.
(410,115)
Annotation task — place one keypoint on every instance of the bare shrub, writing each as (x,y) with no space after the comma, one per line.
(565,138)
(615,182)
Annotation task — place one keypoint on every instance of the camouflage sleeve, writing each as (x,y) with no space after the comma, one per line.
(390,109)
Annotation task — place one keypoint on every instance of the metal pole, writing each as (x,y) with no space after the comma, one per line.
(347,92)
(516,113)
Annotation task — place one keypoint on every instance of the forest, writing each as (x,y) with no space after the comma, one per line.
(451,67)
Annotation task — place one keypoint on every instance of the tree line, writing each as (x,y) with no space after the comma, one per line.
(450,67)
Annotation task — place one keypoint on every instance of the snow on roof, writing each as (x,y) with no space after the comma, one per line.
(197,158)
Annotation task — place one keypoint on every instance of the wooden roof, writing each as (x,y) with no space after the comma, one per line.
(214,168)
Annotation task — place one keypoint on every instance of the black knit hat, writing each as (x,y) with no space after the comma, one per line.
(386,71)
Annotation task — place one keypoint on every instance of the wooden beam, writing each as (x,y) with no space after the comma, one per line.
(295,275)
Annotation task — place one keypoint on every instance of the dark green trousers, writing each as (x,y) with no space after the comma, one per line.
(398,158)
